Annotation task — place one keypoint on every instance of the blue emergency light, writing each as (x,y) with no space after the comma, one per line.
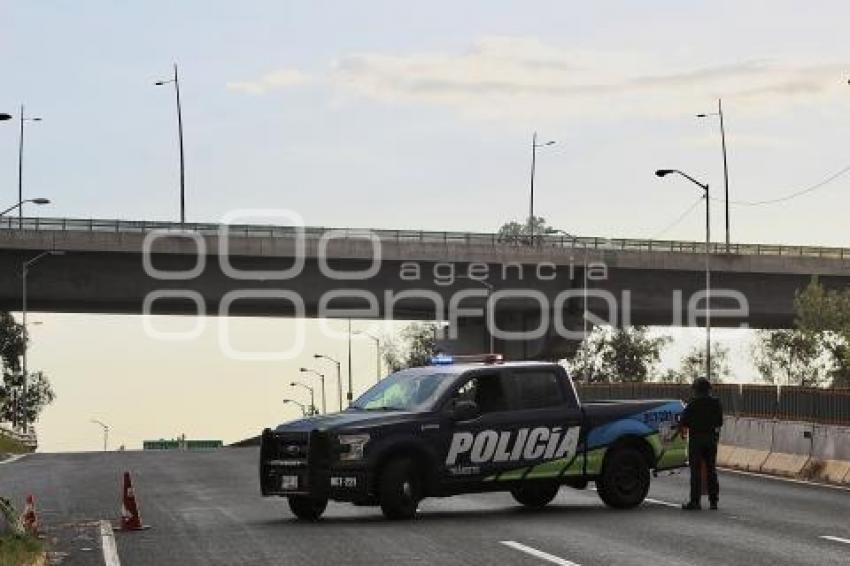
(442,360)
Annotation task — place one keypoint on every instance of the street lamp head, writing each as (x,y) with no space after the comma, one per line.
(702,115)
(664,172)
(552,142)
(4,116)
(40,201)
(35,119)
(317,356)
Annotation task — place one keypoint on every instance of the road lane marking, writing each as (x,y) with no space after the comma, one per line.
(835,539)
(665,503)
(110,548)
(14,458)
(539,553)
(789,480)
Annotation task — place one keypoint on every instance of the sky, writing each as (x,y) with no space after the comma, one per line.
(406,115)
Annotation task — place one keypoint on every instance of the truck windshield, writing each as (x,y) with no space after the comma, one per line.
(403,391)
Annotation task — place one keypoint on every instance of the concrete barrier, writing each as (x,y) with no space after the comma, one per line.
(791,449)
(831,453)
(786,448)
(751,441)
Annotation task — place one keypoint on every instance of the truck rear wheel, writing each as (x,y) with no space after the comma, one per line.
(400,489)
(625,479)
(307,508)
(535,495)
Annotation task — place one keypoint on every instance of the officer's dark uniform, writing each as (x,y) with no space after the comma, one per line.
(703,417)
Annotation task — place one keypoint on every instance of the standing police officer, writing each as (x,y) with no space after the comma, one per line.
(703,417)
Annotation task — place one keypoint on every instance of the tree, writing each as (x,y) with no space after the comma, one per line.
(514,232)
(692,365)
(791,357)
(39,392)
(415,348)
(825,315)
(618,355)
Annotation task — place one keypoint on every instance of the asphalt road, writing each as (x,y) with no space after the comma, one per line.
(205,508)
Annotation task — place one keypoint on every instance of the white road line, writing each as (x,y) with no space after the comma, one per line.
(538,553)
(14,458)
(664,503)
(789,480)
(110,548)
(835,539)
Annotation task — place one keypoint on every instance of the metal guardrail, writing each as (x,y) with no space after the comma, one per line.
(811,404)
(425,236)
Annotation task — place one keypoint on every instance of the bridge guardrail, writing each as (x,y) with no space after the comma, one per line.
(425,236)
(810,404)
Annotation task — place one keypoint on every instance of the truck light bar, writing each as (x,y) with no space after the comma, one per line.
(445,359)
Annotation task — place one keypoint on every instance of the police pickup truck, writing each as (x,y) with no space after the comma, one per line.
(449,429)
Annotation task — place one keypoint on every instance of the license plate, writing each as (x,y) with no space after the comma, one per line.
(288,482)
(349,482)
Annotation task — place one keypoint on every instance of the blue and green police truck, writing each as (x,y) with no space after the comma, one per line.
(454,428)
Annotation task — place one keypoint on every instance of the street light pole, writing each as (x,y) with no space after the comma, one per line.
(300,405)
(534,146)
(21,203)
(176,81)
(105,433)
(350,381)
(24,273)
(21,165)
(338,375)
(312,395)
(322,378)
(707,196)
(719,114)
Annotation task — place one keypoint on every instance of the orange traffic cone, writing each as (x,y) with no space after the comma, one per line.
(130,518)
(29,518)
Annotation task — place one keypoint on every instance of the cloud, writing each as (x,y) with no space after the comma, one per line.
(509,76)
(274,80)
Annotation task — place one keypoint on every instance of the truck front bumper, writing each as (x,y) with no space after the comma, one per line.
(303,463)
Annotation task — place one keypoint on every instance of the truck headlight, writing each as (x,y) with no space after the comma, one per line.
(352,446)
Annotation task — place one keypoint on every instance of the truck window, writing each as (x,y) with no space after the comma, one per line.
(486,391)
(538,389)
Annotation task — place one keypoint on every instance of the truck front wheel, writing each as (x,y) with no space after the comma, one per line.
(401,489)
(625,479)
(307,508)
(535,495)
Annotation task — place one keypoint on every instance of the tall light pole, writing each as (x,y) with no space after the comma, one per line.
(338,375)
(21,200)
(105,428)
(20,204)
(24,273)
(322,378)
(704,187)
(719,114)
(534,146)
(299,405)
(350,394)
(312,394)
(377,342)
(176,82)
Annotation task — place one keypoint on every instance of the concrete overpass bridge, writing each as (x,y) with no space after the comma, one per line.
(131,267)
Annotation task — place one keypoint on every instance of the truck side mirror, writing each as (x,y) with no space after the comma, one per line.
(465,410)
